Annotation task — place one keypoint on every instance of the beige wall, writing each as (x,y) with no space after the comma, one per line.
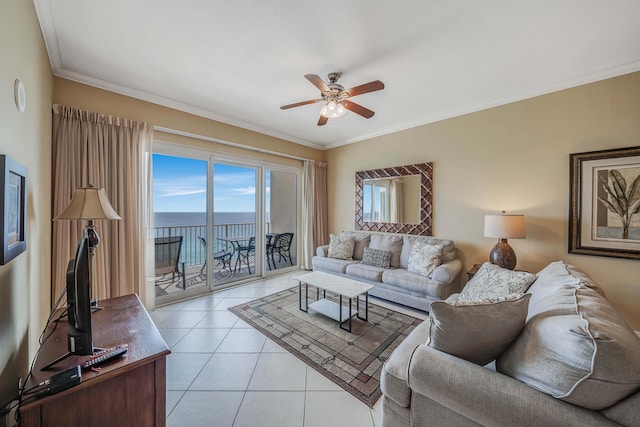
(514,158)
(26,137)
(67,92)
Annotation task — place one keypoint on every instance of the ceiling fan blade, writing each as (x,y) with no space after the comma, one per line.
(317,82)
(298,104)
(365,88)
(323,121)
(358,109)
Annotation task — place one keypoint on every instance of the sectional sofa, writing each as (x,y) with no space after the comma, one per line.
(574,363)
(396,283)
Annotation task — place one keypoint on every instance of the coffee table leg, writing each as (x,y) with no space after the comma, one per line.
(306,299)
(350,315)
(366,307)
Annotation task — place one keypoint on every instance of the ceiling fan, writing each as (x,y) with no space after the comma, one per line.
(336,96)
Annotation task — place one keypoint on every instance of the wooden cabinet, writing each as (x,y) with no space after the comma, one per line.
(129,391)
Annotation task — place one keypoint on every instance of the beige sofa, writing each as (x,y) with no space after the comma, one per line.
(396,283)
(575,363)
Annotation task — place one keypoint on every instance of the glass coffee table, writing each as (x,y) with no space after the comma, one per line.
(345,288)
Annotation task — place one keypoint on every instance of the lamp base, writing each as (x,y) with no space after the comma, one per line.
(503,255)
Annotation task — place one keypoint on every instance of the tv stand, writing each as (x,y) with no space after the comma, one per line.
(130,390)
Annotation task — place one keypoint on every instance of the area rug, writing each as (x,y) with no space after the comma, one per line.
(351,360)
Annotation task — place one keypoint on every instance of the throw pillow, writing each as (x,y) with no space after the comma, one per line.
(492,282)
(362,241)
(388,242)
(424,258)
(377,257)
(341,247)
(575,346)
(477,331)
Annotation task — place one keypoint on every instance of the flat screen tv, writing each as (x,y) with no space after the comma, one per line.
(79,340)
(79,302)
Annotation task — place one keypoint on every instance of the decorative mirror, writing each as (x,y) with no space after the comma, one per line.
(395,200)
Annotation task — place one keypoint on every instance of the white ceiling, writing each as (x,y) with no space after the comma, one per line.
(238,61)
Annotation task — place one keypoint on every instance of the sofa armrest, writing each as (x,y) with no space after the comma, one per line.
(322,251)
(488,397)
(448,271)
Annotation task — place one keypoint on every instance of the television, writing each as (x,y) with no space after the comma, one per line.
(79,339)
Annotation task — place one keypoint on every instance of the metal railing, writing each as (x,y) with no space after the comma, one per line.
(193,252)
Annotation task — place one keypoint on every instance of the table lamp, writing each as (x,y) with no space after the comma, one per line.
(504,227)
(89,203)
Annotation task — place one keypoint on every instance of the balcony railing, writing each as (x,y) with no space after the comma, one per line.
(193,253)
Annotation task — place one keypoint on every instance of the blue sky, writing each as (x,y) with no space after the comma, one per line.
(180,185)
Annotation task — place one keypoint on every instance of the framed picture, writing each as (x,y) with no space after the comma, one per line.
(604,215)
(13,202)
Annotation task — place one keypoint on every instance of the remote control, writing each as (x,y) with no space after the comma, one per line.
(104,356)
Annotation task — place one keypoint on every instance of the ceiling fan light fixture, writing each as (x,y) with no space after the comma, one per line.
(333,110)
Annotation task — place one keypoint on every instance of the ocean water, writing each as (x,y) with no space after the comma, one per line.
(172,219)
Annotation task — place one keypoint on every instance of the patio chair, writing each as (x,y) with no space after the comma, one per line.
(245,252)
(167,257)
(220,256)
(282,246)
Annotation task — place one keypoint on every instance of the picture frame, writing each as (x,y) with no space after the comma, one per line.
(13,208)
(604,213)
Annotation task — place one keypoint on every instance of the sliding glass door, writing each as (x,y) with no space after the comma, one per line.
(235,233)
(281,218)
(180,216)
(220,221)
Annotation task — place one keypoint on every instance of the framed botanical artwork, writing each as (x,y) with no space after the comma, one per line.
(13,208)
(604,215)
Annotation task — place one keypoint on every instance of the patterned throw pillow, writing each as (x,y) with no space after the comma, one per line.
(424,258)
(493,282)
(341,247)
(477,331)
(377,257)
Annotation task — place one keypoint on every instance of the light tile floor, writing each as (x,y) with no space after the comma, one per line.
(222,372)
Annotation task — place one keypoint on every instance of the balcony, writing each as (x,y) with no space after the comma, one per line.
(193,254)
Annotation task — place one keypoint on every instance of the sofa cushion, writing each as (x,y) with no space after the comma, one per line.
(361,241)
(393,379)
(361,271)
(424,258)
(448,248)
(388,242)
(575,346)
(477,331)
(331,265)
(493,282)
(377,257)
(414,284)
(341,246)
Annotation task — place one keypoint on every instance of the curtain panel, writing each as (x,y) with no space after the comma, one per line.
(111,153)
(314,210)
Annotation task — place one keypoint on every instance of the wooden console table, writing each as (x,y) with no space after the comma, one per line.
(129,391)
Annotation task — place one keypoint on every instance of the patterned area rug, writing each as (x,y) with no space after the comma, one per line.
(351,360)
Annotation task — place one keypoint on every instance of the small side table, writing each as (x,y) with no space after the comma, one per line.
(473,271)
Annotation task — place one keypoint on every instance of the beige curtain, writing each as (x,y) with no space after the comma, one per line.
(314,210)
(396,200)
(112,153)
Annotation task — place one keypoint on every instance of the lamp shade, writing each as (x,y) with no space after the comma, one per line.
(504,226)
(88,203)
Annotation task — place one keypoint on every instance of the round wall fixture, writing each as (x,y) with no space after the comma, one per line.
(19,95)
